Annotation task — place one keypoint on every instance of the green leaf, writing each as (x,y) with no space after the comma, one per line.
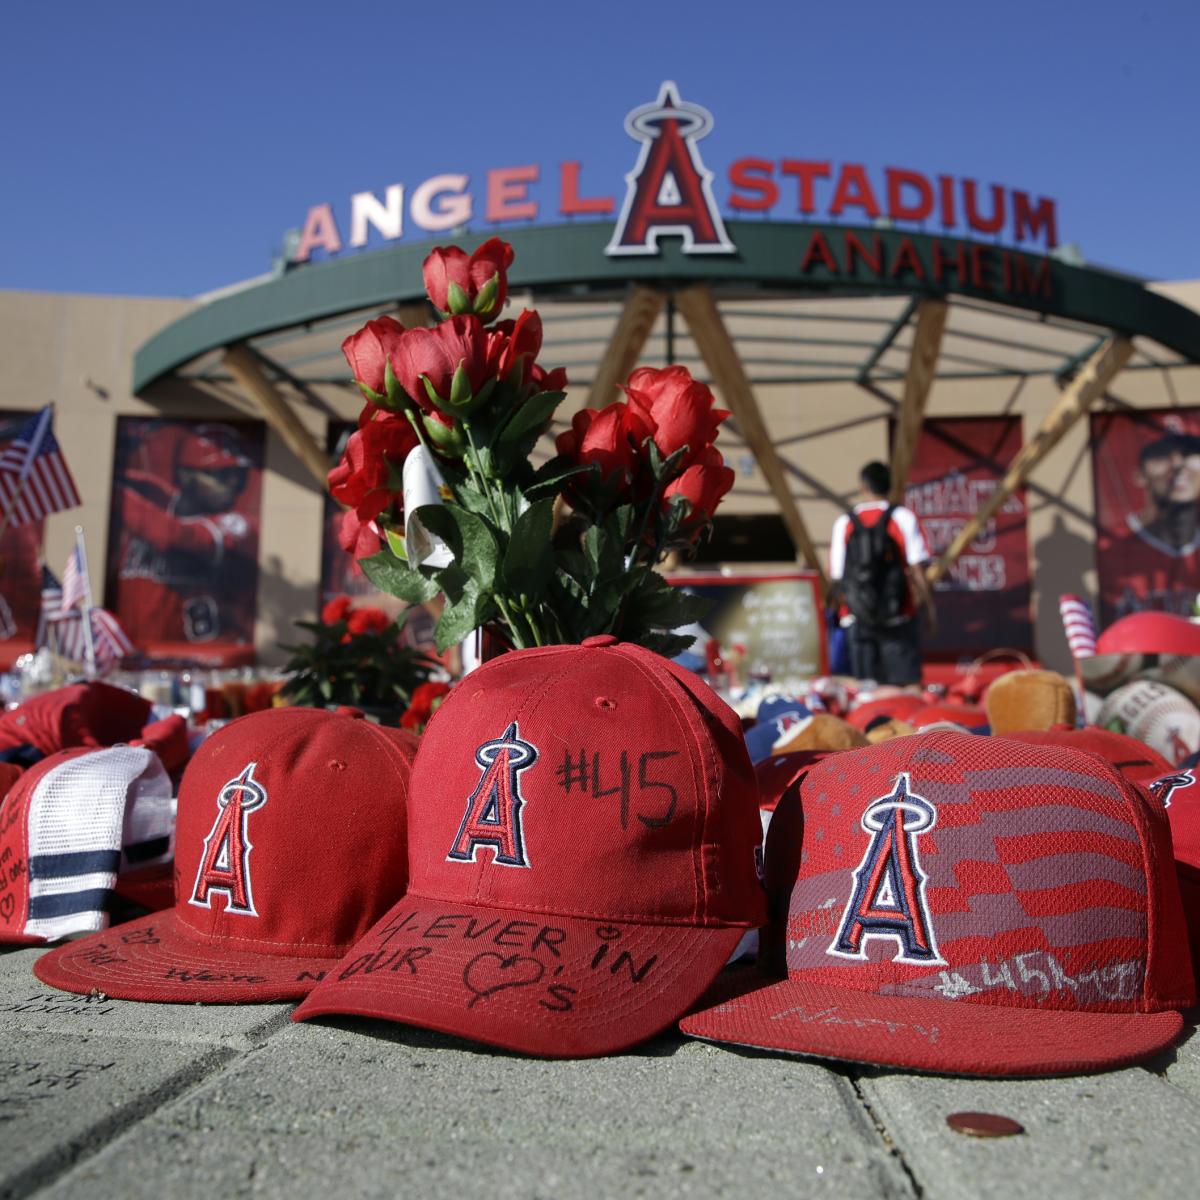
(529,558)
(485,299)
(457,299)
(666,644)
(469,537)
(393,577)
(532,415)
(395,543)
(550,483)
(655,603)
(458,619)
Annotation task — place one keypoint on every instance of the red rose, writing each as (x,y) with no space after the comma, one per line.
(425,699)
(367,353)
(519,346)
(702,485)
(451,367)
(335,610)
(548,381)
(610,437)
(363,478)
(368,620)
(679,408)
(460,285)
(359,537)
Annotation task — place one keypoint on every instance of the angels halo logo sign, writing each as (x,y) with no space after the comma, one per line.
(669,190)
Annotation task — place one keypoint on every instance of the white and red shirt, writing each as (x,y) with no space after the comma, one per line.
(903,527)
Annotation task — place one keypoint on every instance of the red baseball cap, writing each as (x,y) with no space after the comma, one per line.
(978,906)
(582,857)
(290,844)
(82,714)
(777,773)
(1135,760)
(72,828)
(1179,793)
(968,716)
(1150,633)
(897,707)
(211,448)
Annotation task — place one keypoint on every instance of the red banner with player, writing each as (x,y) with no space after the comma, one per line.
(1146,475)
(20,570)
(984,602)
(183,538)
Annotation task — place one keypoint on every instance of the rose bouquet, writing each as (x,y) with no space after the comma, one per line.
(464,403)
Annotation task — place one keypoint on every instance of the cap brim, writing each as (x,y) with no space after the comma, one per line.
(944,1036)
(155,958)
(543,984)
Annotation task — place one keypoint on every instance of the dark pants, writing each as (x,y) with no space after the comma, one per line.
(887,653)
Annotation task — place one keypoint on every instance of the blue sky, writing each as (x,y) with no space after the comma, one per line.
(152,148)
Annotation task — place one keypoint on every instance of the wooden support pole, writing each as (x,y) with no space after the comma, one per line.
(1077,398)
(244,366)
(699,309)
(641,310)
(922,366)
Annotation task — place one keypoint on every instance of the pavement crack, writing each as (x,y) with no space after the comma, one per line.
(65,1157)
(889,1142)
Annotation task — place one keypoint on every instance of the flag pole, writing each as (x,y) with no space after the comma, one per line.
(47,416)
(41,625)
(86,616)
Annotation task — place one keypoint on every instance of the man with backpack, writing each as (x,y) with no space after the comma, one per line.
(877,553)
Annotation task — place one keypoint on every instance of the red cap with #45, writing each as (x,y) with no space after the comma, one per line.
(979,906)
(289,845)
(582,849)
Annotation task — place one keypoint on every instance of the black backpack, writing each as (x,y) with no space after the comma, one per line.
(875,579)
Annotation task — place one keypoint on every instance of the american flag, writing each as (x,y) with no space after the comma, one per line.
(110,640)
(52,606)
(1078,626)
(34,478)
(75,582)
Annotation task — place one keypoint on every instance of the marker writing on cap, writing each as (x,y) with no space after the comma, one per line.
(587,772)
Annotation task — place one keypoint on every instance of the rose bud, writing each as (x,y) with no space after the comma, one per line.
(702,485)
(367,353)
(358,537)
(459,285)
(679,408)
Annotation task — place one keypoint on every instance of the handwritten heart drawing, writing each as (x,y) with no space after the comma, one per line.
(489,973)
(7,904)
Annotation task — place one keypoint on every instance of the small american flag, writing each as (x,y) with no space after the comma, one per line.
(1078,626)
(52,606)
(75,582)
(34,479)
(110,640)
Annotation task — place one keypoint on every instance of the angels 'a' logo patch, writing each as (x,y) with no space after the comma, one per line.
(225,863)
(493,816)
(888,897)
(1163,789)
(669,190)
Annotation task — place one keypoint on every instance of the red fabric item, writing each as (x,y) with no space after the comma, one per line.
(1179,793)
(319,853)
(84,714)
(1135,760)
(9,774)
(966,715)
(168,739)
(582,847)
(980,906)
(778,772)
(1150,633)
(889,707)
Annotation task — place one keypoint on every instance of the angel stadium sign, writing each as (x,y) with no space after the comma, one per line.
(668,193)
